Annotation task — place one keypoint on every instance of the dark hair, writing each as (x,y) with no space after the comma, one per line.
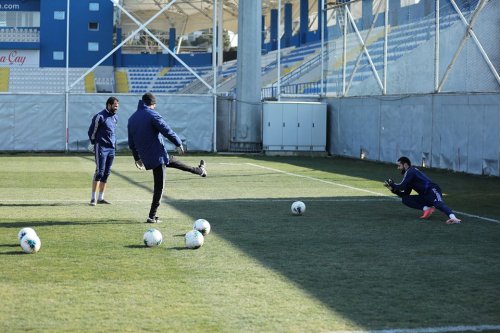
(111,100)
(404,159)
(149,99)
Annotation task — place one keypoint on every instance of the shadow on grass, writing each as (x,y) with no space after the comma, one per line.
(135,246)
(374,262)
(179,248)
(12,253)
(20,224)
(48,204)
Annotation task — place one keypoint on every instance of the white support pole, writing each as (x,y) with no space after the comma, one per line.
(214,137)
(386,43)
(215,42)
(322,83)
(278,53)
(344,56)
(220,34)
(436,48)
(66,93)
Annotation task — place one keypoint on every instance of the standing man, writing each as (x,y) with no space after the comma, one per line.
(429,195)
(103,144)
(146,129)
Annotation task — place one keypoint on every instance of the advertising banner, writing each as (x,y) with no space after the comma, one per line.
(19,58)
(20,5)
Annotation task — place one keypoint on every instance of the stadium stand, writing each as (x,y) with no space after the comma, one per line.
(299,64)
(176,78)
(141,79)
(19,34)
(403,40)
(44,80)
(121,79)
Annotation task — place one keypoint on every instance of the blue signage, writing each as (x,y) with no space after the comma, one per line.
(20,5)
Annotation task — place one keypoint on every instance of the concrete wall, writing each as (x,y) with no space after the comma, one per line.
(460,132)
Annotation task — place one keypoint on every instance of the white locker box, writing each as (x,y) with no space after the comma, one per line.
(294,126)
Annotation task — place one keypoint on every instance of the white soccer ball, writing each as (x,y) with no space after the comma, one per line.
(31,243)
(152,238)
(194,239)
(202,226)
(24,231)
(298,208)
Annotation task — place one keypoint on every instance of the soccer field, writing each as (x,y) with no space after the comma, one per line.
(356,261)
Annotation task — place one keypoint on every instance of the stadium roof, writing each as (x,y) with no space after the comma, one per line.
(192,15)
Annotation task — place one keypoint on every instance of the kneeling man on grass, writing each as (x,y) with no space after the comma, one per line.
(429,196)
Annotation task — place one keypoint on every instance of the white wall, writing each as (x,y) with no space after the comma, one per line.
(460,132)
(38,122)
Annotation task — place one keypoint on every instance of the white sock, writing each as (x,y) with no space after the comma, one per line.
(425,208)
(452,216)
(92,196)
(101,196)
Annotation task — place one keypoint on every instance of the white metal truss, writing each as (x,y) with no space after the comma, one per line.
(365,49)
(358,60)
(164,46)
(469,33)
(142,27)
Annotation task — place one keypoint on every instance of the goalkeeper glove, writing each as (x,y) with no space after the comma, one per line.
(388,183)
(180,150)
(399,193)
(139,165)
(91,148)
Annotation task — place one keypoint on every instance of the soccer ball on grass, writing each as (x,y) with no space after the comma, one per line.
(24,231)
(194,239)
(298,208)
(202,226)
(31,243)
(152,238)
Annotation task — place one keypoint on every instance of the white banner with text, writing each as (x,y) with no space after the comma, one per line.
(19,58)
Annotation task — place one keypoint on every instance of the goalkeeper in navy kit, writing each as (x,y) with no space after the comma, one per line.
(429,196)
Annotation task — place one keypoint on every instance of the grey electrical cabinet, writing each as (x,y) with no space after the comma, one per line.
(294,126)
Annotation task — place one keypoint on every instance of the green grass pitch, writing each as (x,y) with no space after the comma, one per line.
(357,260)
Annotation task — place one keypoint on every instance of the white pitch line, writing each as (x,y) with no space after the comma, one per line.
(318,180)
(55,201)
(478,217)
(63,200)
(478,328)
(359,189)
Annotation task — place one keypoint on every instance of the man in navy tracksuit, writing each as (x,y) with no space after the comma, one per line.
(146,129)
(103,144)
(429,195)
